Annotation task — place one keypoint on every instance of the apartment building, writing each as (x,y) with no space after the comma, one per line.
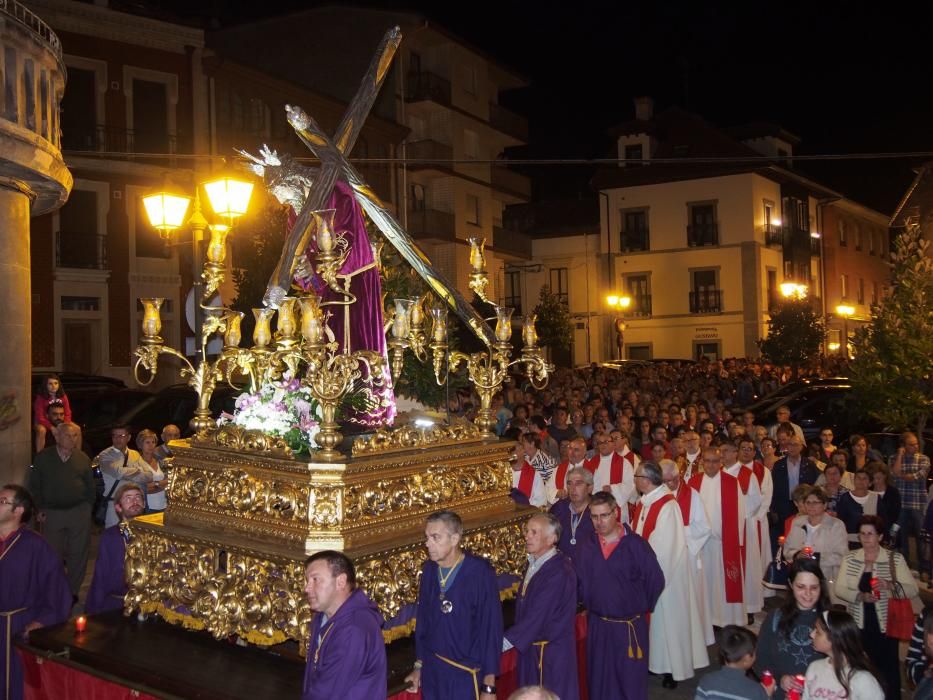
(453,182)
(701,232)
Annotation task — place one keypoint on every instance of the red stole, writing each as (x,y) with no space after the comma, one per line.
(732,558)
(615,467)
(685,501)
(526,479)
(651,520)
(745,478)
(560,474)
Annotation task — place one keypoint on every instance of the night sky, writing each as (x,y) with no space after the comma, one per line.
(845,77)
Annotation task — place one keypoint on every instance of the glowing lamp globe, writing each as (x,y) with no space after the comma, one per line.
(229,197)
(166,212)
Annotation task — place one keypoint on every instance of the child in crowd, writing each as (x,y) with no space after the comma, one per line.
(846,671)
(50,390)
(737,656)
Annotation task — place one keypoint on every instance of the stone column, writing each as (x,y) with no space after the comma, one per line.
(15,331)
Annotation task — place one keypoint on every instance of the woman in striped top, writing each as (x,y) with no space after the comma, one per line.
(854,586)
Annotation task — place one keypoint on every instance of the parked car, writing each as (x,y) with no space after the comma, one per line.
(789,390)
(816,407)
(174,404)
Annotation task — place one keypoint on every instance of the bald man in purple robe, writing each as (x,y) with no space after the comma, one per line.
(545,612)
(347,655)
(573,511)
(34,590)
(620,582)
(108,585)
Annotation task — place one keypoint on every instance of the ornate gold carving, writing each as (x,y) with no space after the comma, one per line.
(235,437)
(258,596)
(409,437)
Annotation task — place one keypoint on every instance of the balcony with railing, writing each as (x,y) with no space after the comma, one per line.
(424,86)
(508,122)
(83,251)
(511,242)
(108,139)
(431,224)
(706,301)
(774,235)
(634,240)
(31,21)
(418,152)
(510,181)
(702,235)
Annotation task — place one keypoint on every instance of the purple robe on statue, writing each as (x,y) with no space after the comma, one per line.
(347,655)
(584,529)
(33,588)
(544,633)
(108,586)
(358,326)
(469,637)
(618,593)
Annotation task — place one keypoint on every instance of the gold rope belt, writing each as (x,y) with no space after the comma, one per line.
(541,644)
(471,671)
(632,635)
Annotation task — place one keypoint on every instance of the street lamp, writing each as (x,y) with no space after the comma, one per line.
(844,311)
(619,304)
(229,198)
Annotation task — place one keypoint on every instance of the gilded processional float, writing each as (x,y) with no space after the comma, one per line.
(249,499)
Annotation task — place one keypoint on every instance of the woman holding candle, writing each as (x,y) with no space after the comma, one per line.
(824,535)
(868,603)
(784,644)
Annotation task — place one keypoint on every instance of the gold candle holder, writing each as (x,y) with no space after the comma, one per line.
(400,332)
(504,324)
(530,334)
(439,342)
(152,321)
(479,279)
(312,322)
(287,325)
(262,333)
(233,335)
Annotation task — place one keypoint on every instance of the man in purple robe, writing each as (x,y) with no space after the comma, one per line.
(458,637)
(347,655)
(108,586)
(545,612)
(572,512)
(620,582)
(34,590)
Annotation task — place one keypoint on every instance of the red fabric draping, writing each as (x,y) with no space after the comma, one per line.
(47,680)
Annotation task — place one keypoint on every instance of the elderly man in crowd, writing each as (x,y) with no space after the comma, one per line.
(721,556)
(34,590)
(620,583)
(108,586)
(458,639)
(347,655)
(577,458)
(676,636)
(573,511)
(545,612)
(612,473)
(62,484)
(120,464)
(169,432)
(911,468)
(789,472)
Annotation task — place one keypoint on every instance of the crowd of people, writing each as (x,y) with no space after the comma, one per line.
(664,513)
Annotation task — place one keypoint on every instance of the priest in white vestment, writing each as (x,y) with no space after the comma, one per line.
(696,532)
(721,555)
(676,641)
(613,473)
(754,595)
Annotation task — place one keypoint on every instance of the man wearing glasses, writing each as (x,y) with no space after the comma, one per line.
(120,464)
(612,473)
(35,591)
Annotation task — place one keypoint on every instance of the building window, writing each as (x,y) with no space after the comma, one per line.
(702,229)
(638,288)
(472,212)
(871,242)
(470,144)
(858,237)
(78,243)
(843,234)
(559,288)
(417,197)
(874,293)
(80,303)
(633,154)
(705,295)
(861,290)
(638,352)
(513,290)
(844,286)
(469,80)
(634,230)
(773,298)
(710,350)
